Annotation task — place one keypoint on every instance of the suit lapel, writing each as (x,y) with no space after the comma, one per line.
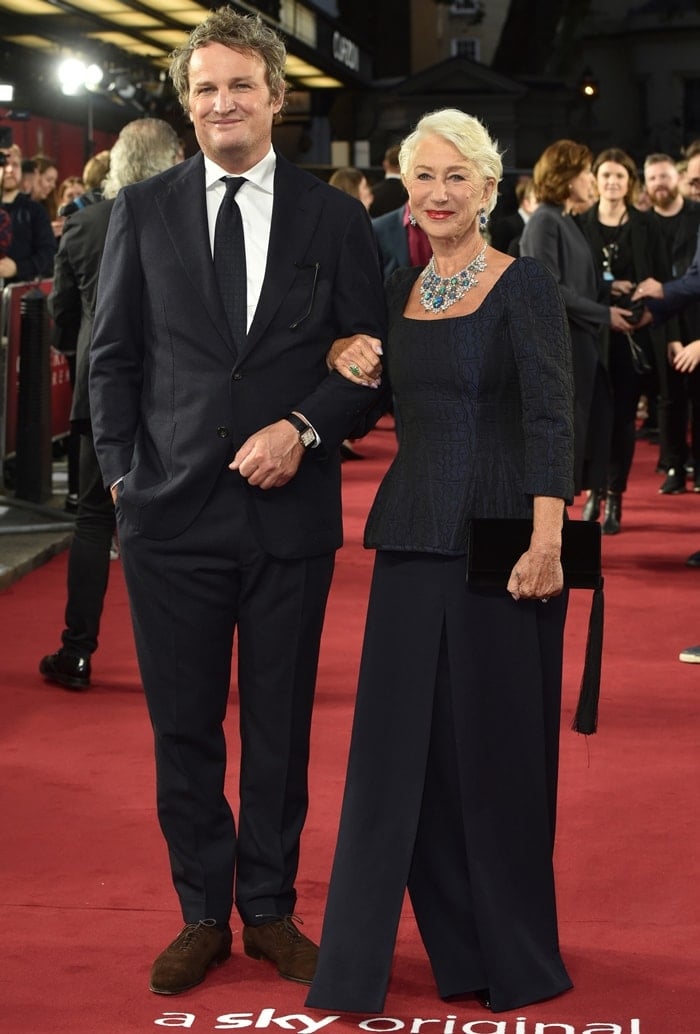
(295,214)
(182,192)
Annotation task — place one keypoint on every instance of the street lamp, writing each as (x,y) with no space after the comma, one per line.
(589,86)
(77,78)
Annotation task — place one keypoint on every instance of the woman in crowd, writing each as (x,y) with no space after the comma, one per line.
(67,194)
(354,182)
(627,246)
(71,188)
(564,184)
(451,785)
(45,180)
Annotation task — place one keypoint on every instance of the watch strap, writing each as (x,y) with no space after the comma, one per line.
(307,435)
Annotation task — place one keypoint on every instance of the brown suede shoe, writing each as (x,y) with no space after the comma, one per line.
(185,962)
(280,942)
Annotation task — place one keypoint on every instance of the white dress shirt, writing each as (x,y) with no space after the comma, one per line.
(254,200)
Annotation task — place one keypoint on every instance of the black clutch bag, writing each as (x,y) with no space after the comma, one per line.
(624,301)
(495,545)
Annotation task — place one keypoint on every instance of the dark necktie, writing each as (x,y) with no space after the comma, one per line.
(229,260)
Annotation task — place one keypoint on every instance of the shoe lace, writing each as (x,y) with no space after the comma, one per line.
(191,934)
(290,928)
(285,925)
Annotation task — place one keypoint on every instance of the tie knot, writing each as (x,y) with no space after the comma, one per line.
(233,184)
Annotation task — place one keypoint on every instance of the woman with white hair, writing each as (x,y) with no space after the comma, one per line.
(451,785)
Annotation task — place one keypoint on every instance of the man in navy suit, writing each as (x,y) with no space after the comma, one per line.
(662,301)
(389,193)
(400,240)
(221,447)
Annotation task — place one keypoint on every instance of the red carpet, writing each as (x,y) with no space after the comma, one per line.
(85,889)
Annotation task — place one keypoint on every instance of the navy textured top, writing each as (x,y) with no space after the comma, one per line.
(484,407)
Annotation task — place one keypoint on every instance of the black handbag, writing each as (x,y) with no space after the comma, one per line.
(640,361)
(624,301)
(494,546)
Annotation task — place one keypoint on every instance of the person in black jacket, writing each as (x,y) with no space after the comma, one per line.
(217,425)
(564,184)
(663,300)
(451,784)
(679,220)
(627,246)
(32,249)
(507,230)
(389,193)
(144,147)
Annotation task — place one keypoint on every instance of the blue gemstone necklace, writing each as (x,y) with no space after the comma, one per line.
(438,293)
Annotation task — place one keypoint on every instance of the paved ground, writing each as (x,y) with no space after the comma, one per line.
(31,534)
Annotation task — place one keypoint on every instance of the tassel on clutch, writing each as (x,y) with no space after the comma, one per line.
(495,545)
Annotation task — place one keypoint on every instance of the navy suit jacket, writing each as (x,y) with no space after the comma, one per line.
(392,241)
(388,194)
(172,399)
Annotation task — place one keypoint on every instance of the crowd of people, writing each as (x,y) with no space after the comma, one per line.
(234,328)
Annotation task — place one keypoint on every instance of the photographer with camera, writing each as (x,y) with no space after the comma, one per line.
(31,251)
(627,246)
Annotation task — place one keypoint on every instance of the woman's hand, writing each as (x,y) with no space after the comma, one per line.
(688,358)
(618,319)
(356,359)
(538,573)
(536,576)
(619,287)
(673,348)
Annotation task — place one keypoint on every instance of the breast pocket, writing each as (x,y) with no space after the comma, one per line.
(304,292)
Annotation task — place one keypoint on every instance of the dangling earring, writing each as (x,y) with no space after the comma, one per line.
(483,220)
(412,219)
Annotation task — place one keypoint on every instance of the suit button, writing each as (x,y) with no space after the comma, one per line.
(222,432)
(237,376)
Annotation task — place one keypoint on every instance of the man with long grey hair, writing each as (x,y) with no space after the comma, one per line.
(144,148)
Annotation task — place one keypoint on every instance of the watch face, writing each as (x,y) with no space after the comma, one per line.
(307,437)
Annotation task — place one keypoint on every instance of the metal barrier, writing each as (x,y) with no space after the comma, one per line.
(35,395)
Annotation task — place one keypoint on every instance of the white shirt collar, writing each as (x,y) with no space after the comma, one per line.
(262,174)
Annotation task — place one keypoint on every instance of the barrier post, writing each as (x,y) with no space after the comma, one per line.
(34,451)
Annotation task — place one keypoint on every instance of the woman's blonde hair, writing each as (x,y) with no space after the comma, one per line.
(467,134)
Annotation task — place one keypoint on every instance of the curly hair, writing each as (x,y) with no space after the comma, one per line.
(238,32)
(557,166)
